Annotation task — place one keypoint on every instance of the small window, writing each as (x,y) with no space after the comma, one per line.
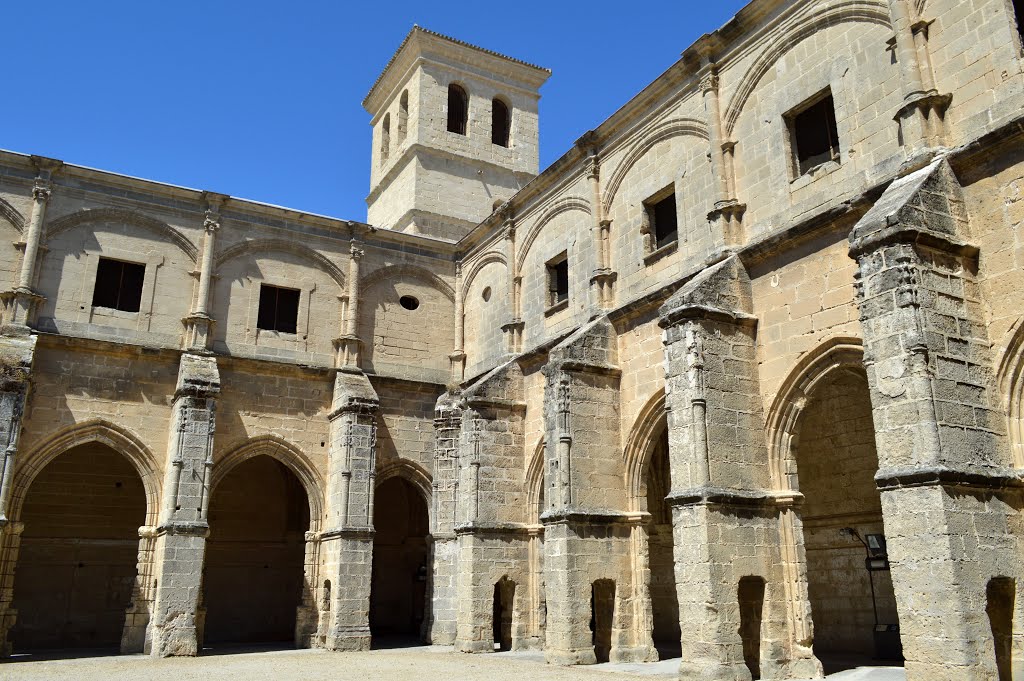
(501,122)
(409,302)
(279,309)
(458,109)
(403,116)
(558,279)
(661,215)
(815,139)
(385,138)
(118,285)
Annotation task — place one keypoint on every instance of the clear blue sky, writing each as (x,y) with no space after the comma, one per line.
(262,100)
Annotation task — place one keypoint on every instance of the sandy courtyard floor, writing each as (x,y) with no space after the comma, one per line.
(407,664)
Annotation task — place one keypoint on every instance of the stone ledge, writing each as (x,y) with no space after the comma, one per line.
(722,496)
(184,529)
(347,533)
(600,516)
(947,476)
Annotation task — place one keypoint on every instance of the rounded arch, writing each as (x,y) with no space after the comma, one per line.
(837,354)
(288,454)
(125,216)
(640,444)
(266,245)
(1010,377)
(121,440)
(534,482)
(411,472)
(487,259)
(806,26)
(659,133)
(414,271)
(557,208)
(11,214)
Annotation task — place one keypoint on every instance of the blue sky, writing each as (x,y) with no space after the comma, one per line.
(262,100)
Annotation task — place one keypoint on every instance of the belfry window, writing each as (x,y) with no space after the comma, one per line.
(403,116)
(279,309)
(813,134)
(118,285)
(501,122)
(558,279)
(385,138)
(458,109)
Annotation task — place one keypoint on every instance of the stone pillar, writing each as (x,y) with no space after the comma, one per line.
(513,328)
(602,280)
(949,494)
(180,542)
(135,638)
(458,355)
(346,545)
(727,214)
(726,521)
(199,324)
(347,345)
(444,547)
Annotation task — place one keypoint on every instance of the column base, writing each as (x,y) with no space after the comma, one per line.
(177,638)
(633,654)
(569,658)
(713,671)
(474,646)
(355,639)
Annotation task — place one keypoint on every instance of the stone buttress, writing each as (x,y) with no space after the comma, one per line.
(950,499)
(727,523)
(448,413)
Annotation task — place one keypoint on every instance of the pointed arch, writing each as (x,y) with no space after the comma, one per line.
(123,216)
(286,246)
(659,133)
(534,483)
(120,439)
(413,271)
(557,208)
(487,259)
(288,454)
(836,354)
(814,21)
(11,214)
(639,445)
(411,472)
(1010,379)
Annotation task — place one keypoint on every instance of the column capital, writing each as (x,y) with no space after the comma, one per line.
(356,252)
(211,220)
(709,82)
(41,189)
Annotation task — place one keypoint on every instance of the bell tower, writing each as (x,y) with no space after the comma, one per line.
(455,134)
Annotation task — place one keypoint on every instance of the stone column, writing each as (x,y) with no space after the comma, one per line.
(199,324)
(448,414)
(720,496)
(458,355)
(513,328)
(346,545)
(347,345)
(180,543)
(949,492)
(727,214)
(16,357)
(602,280)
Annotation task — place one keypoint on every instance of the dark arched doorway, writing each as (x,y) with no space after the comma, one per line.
(664,600)
(398,584)
(836,464)
(79,550)
(253,576)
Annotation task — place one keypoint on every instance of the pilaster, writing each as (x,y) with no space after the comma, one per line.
(199,323)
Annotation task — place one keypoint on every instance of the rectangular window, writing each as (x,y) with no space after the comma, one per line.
(118,285)
(279,309)
(813,133)
(1018,11)
(558,279)
(662,217)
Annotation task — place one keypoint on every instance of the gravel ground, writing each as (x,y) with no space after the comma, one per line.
(408,664)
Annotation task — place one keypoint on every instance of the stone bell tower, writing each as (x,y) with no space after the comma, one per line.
(454,135)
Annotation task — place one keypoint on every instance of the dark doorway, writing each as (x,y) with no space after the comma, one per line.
(504,602)
(253,577)
(664,600)
(999,604)
(79,550)
(751,600)
(602,614)
(399,580)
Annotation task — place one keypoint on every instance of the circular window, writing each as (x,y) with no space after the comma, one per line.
(487,293)
(409,302)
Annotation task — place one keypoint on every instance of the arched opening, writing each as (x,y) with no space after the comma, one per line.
(399,578)
(458,109)
(664,600)
(853,607)
(750,595)
(1000,597)
(403,116)
(385,138)
(78,560)
(501,122)
(501,623)
(253,576)
(602,615)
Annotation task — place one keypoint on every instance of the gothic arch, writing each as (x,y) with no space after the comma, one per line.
(534,482)
(11,214)
(557,208)
(487,259)
(1011,386)
(836,354)
(412,473)
(121,440)
(413,271)
(639,445)
(125,216)
(851,10)
(665,130)
(288,454)
(267,245)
